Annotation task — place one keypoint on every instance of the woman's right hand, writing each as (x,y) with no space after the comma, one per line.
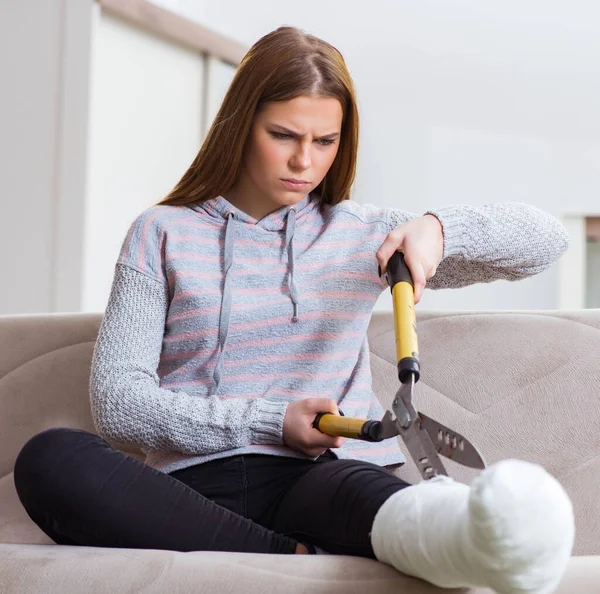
(298,431)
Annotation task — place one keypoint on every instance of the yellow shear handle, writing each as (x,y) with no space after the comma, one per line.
(365,429)
(405,320)
(338,425)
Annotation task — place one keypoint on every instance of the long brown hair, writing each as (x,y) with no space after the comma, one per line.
(282,65)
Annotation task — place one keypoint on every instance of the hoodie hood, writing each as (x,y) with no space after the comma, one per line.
(283,219)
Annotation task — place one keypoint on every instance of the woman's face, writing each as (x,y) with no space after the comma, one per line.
(295,139)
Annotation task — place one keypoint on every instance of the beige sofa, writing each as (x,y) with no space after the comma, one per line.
(518,384)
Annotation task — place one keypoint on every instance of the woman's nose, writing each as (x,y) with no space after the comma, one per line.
(301,158)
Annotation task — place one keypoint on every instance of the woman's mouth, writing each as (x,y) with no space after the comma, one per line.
(293,185)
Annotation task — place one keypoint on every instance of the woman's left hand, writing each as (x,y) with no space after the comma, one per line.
(422,243)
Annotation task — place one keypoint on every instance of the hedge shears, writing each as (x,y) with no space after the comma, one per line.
(424,437)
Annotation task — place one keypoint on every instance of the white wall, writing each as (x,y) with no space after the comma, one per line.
(88,140)
(43,122)
(462,101)
(29,104)
(146,108)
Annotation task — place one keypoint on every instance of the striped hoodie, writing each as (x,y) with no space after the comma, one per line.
(216,321)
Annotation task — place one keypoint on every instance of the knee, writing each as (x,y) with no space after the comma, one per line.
(40,454)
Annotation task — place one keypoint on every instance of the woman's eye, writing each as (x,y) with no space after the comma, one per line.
(281,136)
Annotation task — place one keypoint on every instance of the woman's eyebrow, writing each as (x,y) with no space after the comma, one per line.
(332,135)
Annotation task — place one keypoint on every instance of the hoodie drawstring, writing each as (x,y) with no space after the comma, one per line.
(290,229)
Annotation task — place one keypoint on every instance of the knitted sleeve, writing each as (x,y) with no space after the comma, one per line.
(508,240)
(127,402)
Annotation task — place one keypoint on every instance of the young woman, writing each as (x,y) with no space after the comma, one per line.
(238,311)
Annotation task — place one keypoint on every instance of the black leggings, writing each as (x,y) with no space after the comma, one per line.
(81,491)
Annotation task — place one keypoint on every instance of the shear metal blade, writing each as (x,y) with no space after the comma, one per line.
(451,444)
(388,426)
(422,451)
(407,424)
(435,438)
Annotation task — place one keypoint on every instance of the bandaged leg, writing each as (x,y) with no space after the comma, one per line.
(512,530)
